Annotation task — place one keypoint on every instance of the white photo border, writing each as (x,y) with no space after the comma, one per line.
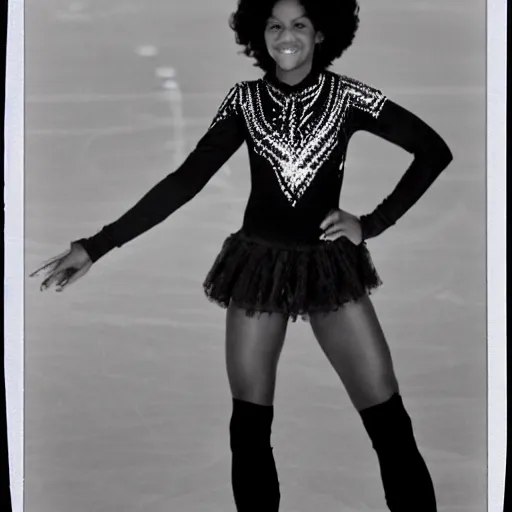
(496,249)
(14,248)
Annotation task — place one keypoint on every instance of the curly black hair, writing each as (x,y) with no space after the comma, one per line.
(338,21)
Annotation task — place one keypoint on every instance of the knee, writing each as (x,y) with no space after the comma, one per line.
(256,395)
(387,386)
(251,380)
(253,385)
(389,425)
(381,391)
(250,426)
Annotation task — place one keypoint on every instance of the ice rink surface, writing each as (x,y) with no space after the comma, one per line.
(127,401)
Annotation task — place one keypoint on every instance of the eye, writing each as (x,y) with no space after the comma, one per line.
(273,26)
(300,25)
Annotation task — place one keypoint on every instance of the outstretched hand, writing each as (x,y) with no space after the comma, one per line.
(64,269)
(340,223)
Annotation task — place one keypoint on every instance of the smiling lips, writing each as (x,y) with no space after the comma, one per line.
(288,50)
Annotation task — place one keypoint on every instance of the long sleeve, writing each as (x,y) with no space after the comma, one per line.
(224,136)
(431,156)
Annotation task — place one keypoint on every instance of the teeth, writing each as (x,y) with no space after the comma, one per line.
(288,51)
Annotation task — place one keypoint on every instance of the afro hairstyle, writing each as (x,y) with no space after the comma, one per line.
(337,20)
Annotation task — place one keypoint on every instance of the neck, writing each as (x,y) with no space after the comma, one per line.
(294,76)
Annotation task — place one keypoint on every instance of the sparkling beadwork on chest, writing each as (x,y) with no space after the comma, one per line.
(297,133)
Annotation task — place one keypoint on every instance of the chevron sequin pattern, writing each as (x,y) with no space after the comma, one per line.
(298,132)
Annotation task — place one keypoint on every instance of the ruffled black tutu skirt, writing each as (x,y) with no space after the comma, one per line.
(296,280)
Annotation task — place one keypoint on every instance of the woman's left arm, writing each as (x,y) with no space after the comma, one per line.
(431,156)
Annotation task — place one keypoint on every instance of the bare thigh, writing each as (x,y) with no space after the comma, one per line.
(354,343)
(253,348)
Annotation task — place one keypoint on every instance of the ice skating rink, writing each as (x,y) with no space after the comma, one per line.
(127,402)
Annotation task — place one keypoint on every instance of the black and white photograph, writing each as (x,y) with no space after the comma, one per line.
(255,258)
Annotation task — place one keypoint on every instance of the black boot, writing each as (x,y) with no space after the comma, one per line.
(407,483)
(253,470)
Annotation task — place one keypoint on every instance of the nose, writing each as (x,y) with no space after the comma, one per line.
(286,36)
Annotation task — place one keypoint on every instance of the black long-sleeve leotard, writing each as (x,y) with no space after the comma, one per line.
(297,138)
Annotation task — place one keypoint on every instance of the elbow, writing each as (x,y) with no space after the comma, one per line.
(438,153)
(445,154)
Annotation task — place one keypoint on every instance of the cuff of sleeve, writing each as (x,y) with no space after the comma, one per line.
(373,225)
(98,245)
(367,227)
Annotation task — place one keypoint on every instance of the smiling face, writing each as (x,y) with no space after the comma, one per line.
(291,38)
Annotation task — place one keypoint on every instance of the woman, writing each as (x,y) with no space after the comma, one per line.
(297,253)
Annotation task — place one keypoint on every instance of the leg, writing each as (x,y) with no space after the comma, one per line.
(253,347)
(354,343)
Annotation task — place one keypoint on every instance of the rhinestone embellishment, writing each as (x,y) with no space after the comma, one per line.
(298,132)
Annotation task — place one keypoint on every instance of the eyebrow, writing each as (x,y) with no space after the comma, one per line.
(273,18)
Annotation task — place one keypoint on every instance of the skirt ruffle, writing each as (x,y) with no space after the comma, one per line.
(295,280)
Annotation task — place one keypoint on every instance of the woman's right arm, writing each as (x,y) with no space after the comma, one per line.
(224,136)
